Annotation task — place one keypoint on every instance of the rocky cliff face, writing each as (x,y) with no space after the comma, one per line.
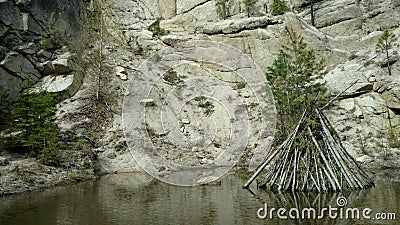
(347,18)
(32,36)
(345,34)
(35,49)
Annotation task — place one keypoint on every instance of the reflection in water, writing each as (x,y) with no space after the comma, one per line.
(138,199)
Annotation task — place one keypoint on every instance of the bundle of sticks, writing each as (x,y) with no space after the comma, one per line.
(312,158)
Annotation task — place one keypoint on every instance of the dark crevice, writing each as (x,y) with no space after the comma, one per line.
(308,3)
(395,110)
(195,6)
(336,22)
(240,29)
(353,95)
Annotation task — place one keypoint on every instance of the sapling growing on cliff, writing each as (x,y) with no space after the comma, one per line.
(279,7)
(156,29)
(307,155)
(385,43)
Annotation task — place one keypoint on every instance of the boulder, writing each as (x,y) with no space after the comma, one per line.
(12,40)
(185,121)
(29,48)
(364,159)
(30,24)
(392,98)
(342,76)
(20,66)
(46,68)
(380,86)
(173,39)
(10,83)
(148,102)
(335,15)
(62,66)
(121,73)
(44,53)
(383,19)
(64,85)
(372,105)
(3,161)
(10,15)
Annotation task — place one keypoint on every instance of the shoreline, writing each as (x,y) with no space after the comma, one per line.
(29,176)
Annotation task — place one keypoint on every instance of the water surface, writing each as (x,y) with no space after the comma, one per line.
(138,199)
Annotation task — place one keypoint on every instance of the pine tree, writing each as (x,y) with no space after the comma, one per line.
(279,7)
(33,118)
(385,43)
(293,77)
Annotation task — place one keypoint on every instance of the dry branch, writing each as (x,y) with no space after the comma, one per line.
(311,159)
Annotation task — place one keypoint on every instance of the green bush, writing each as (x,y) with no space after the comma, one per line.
(5,107)
(172,77)
(53,38)
(393,138)
(279,7)
(33,129)
(240,85)
(204,103)
(156,29)
(75,177)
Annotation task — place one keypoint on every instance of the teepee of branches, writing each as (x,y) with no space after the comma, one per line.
(312,158)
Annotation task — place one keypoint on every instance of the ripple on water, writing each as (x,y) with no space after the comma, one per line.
(139,199)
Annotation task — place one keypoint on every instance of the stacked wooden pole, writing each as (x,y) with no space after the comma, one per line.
(312,158)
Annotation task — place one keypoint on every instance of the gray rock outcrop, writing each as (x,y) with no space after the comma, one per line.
(31,32)
(345,34)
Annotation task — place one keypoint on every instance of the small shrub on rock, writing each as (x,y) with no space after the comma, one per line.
(32,129)
(279,7)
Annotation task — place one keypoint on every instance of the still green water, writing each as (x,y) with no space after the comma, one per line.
(138,199)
